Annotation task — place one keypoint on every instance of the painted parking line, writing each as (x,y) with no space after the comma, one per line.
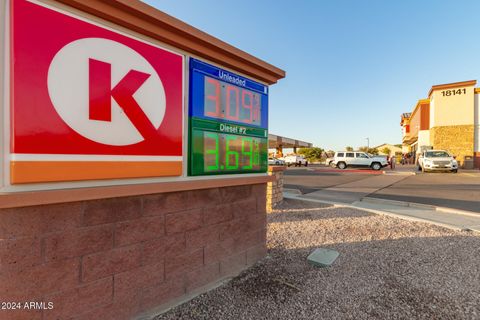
(475,175)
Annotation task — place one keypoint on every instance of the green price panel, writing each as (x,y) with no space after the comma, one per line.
(225,153)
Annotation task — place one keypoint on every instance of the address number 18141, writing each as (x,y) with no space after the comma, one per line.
(448,93)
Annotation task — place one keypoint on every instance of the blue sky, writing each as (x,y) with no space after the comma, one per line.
(352,66)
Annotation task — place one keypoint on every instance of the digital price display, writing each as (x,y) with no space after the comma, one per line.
(228,122)
(214,152)
(229,102)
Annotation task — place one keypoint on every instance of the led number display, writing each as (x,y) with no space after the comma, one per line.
(227,122)
(216,94)
(230,102)
(215,153)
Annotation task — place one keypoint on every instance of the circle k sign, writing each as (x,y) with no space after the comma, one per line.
(80,89)
(118,97)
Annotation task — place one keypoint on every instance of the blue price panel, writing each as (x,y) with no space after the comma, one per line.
(217,94)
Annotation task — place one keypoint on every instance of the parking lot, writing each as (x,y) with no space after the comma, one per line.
(458,191)
(314,178)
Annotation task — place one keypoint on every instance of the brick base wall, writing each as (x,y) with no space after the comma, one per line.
(458,140)
(275,188)
(116,258)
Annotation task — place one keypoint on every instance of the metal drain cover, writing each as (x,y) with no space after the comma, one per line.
(323,257)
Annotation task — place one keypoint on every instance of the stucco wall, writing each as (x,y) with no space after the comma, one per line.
(432,112)
(477,122)
(453,110)
(415,123)
(477,131)
(406,149)
(424,138)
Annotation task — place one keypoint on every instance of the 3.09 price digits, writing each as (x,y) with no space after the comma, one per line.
(226,101)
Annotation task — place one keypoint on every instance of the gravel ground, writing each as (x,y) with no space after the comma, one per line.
(387,269)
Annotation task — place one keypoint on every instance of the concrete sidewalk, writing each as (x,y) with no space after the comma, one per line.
(355,194)
(351,192)
(454,219)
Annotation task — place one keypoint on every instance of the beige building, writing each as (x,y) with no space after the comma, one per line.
(448,119)
(394,150)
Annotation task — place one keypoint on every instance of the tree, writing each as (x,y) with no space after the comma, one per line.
(348,149)
(311,154)
(386,151)
(373,151)
(330,153)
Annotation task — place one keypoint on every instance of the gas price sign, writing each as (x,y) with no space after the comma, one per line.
(228,122)
(229,102)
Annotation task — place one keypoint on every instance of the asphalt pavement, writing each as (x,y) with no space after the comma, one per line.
(315,178)
(445,217)
(459,191)
(355,190)
(446,199)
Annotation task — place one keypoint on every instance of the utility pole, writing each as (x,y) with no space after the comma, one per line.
(368,143)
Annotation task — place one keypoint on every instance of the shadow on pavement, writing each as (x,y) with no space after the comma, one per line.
(285,215)
(437,186)
(288,204)
(302,189)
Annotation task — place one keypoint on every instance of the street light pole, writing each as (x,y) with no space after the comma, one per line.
(368,143)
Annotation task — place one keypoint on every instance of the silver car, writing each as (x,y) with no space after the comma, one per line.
(437,160)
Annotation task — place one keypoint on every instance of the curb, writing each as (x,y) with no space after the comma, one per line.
(397,203)
(467,171)
(399,173)
(458,211)
(365,171)
(420,206)
(334,204)
(292,191)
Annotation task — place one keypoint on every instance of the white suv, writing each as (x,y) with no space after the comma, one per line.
(344,159)
(437,160)
(295,160)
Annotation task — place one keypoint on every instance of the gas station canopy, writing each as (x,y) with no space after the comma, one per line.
(277,142)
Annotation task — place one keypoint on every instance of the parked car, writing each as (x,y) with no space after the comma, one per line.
(344,159)
(275,161)
(437,160)
(295,160)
